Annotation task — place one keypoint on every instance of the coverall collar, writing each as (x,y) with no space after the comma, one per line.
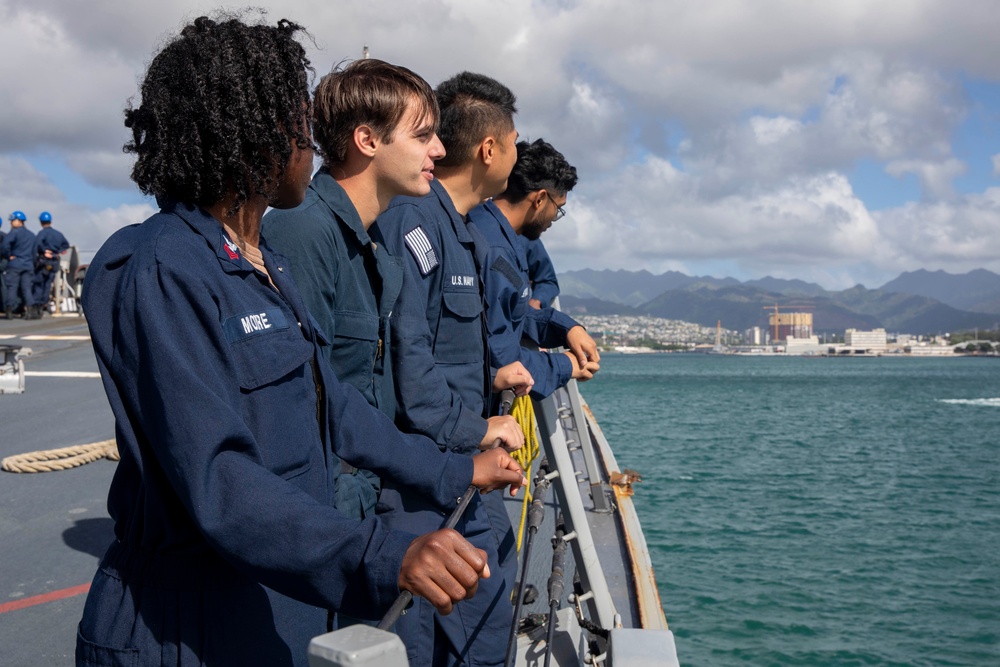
(232,260)
(457,221)
(201,221)
(508,232)
(335,197)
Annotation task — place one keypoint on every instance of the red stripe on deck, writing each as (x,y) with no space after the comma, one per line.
(42,599)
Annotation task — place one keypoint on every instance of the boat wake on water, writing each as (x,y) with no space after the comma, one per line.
(986,402)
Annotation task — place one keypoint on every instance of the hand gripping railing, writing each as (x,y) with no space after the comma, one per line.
(396,610)
(364,646)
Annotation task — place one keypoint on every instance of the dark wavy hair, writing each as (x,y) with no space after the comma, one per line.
(539,166)
(473,107)
(221,103)
(368,92)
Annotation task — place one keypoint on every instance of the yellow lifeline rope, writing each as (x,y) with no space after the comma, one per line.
(524,412)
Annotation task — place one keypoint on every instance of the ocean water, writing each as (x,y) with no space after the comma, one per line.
(815,511)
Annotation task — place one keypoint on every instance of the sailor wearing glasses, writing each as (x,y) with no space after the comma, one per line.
(544,284)
(534,199)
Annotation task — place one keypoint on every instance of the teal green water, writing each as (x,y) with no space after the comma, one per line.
(816,511)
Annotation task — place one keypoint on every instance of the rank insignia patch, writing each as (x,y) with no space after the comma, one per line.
(232,249)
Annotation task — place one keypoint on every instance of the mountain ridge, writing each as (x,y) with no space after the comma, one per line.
(919,302)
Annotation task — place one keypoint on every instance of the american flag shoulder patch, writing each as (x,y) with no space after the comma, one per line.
(422,250)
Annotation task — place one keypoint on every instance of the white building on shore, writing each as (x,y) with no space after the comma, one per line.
(869,341)
(804,346)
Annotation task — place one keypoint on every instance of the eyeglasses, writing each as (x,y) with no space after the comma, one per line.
(560,211)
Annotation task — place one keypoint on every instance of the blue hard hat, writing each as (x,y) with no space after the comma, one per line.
(18,215)
(45,217)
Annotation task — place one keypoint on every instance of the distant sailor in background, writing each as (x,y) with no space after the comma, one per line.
(3,267)
(376,128)
(49,244)
(541,273)
(18,248)
(534,199)
(229,419)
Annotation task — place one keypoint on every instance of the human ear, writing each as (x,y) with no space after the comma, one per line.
(365,140)
(487,149)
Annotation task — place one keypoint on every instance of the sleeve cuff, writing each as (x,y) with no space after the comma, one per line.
(385,569)
(469,432)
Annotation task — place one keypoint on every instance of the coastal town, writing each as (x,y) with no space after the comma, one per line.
(632,334)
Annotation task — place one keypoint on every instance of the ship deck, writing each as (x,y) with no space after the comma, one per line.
(54,526)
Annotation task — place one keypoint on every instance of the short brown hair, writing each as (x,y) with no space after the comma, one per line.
(368,92)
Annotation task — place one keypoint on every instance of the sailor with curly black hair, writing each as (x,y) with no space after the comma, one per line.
(229,421)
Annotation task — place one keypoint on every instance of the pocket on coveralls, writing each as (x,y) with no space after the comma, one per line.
(459,329)
(274,371)
(89,654)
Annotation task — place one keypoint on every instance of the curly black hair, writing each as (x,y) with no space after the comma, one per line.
(220,105)
(473,106)
(539,166)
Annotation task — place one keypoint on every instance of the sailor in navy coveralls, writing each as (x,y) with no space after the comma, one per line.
(334,261)
(18,247)
(348,280)
(544,282)
(49,244)
(536,192)
(229,421)
(443,379)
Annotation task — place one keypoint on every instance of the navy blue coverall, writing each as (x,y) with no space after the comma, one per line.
(230,422)
(508,316)
(46,268)
(544,283)
(19,249)
(350,285)
(442,381)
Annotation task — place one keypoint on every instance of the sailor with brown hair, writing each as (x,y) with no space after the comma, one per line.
(376,127)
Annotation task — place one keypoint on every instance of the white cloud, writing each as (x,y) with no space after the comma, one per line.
(93,227)
(103,168)
(28,190)
(703,132)
(812,228)
(652,210)
(57,93)
(771,130)
(954,235)
(936,177)
(23,182)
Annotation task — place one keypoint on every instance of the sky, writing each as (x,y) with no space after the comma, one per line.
(840,143)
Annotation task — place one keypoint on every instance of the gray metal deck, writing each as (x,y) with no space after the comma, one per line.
(607,554)
(54,526)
